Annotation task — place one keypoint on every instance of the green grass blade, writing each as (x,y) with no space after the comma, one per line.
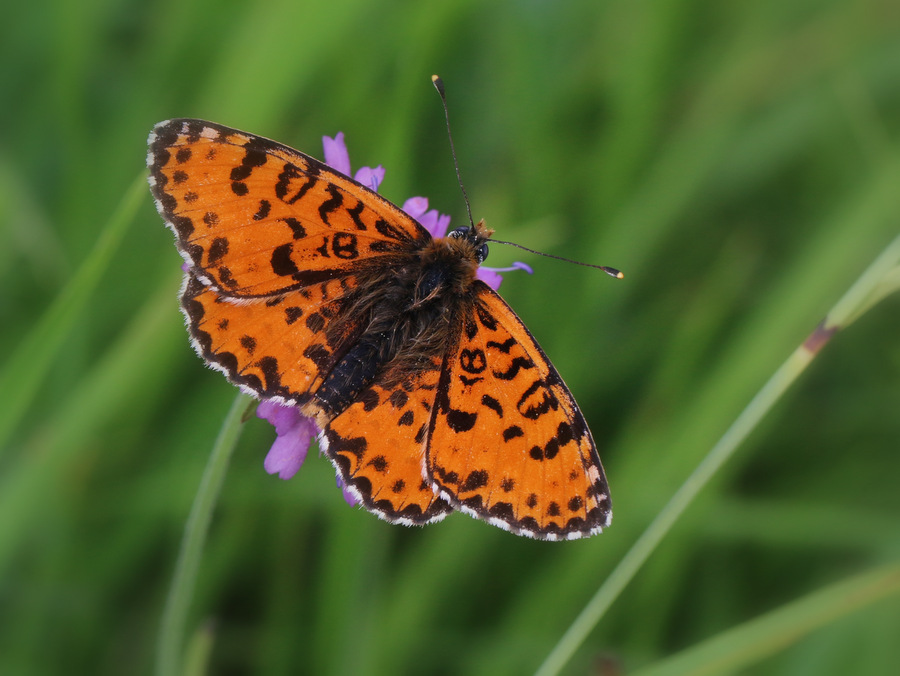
(757,639)
(28,365)
(178,603)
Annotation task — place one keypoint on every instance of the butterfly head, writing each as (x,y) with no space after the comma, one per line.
(477,236)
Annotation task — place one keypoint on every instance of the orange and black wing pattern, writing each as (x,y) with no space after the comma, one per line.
(273,240)
(254,218)
(276,348)
(378,447)
(508,443)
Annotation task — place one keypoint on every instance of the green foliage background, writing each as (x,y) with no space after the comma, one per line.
(739,161)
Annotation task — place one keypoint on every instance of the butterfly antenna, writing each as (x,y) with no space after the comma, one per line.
(612,272)
(439,85)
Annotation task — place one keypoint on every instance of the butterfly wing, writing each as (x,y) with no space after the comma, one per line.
(274,347)
(272,239)
(254,218)
(508,444)
(377,446)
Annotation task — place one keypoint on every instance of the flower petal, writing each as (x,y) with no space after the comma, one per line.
(415,206)
(369,177)
(295,433)
(282,417)
(336,155)
(287,453)
(436,223)
(490,277)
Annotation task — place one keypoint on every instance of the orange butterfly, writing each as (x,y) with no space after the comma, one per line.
(308,289)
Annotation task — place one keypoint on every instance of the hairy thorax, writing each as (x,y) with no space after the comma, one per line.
(399,321)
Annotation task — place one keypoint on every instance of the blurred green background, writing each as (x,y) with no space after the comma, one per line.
(739,161)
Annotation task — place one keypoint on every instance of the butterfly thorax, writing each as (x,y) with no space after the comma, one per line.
(401,320)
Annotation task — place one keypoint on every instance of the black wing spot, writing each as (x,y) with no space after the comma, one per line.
(398,398)
(315,322)
(503,510)
(461,421)
(282,265)
(369,400)
(295,226)
(472,361)
(264,208)
(390,231)
(331,205)
(536,410)
(518,363)
(248,343)
(504,347)
(551,449)
(512,432)
(269,367)
(318,355)
(564,433)
(493,404)
(486,318)
(338,445)
(475,480)
(354,214)
(226,278)
(217,250)
(471,329)
(292,314)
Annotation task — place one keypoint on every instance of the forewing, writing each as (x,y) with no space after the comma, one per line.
(273,347)
(509,444)
(377,446)
(254,217)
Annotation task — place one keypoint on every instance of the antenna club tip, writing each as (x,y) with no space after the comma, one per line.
(438,83)
(612,272)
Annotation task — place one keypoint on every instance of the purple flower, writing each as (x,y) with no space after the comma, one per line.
(294,430)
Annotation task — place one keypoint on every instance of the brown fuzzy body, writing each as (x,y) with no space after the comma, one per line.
(399,320)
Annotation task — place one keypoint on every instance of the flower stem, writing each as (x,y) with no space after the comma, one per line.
(879,279)
(175,615)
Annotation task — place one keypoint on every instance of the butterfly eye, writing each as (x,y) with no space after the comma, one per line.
(459,232)
(482,253)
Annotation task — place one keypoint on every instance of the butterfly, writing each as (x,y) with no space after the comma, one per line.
(310,289)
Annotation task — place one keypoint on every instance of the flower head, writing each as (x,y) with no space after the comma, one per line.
(294,430)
